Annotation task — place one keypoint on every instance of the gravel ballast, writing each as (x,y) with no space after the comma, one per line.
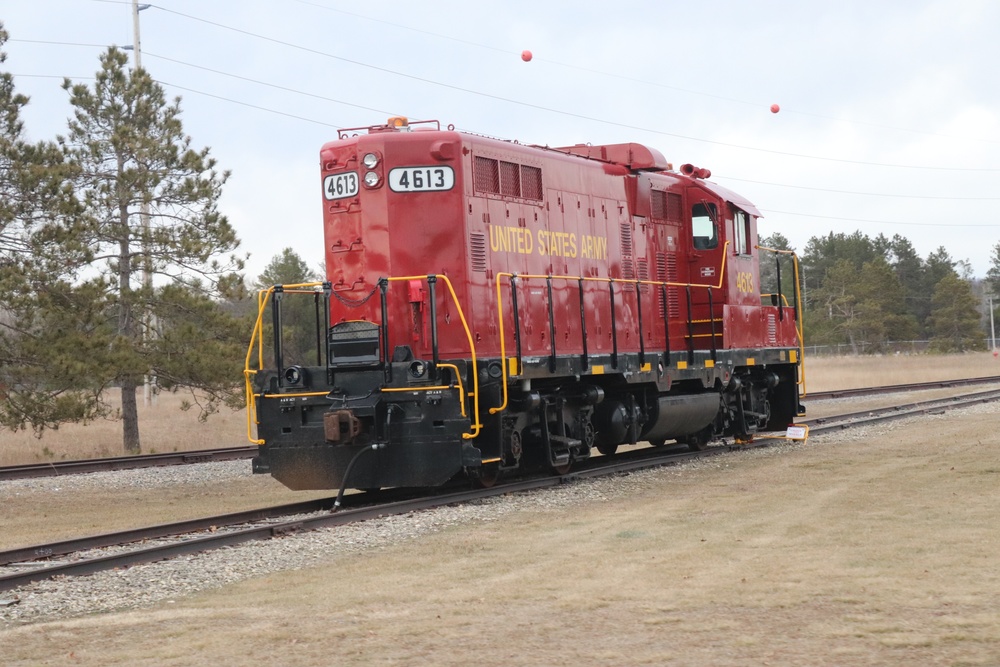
(165,582)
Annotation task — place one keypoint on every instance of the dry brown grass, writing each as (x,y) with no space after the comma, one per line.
(165,428)
(879,551)
(831,373)
(35,516)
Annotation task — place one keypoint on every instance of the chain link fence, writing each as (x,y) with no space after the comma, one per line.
(892,347)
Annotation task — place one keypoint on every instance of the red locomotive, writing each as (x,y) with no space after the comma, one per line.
(491,306)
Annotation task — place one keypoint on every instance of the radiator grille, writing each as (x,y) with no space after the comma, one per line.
(628,268)
(486,175)
(664,206)
(673,293)
(531,182)
(510,179)
(499,177)
(477,251)
(642,264)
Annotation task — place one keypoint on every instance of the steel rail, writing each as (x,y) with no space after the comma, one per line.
(119,538)
(54,468)
(897,388)
(892,413)
(630,461)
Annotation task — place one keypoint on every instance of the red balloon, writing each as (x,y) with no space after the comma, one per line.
(526,55)
(775,108)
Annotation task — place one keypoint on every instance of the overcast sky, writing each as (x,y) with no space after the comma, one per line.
(889,120)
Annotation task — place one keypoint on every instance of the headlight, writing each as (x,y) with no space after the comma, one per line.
(371,178)
(370,160)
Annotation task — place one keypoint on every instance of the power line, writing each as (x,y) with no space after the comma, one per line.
(252,106)
(513,101)
(852,192)
(623,77)
(269,85)
(571,114)
(880,222)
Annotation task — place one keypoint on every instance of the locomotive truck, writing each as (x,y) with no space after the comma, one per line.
(492,307)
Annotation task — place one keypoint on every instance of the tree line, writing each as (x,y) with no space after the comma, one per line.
(118,271)
(868,292)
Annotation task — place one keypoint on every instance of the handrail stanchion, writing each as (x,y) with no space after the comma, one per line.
(690,319)
(383,288)
(552,326)
(666,323)
(517,319)
(781,306)
(279,361)
(327,291)
(638,310)
(585,359)
(614,325)
(432,295)
(711,322)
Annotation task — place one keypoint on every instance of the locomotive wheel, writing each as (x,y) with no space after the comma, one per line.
(607,450)
(563,469)
(488,475)
(699,441)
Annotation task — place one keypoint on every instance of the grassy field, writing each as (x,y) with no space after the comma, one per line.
(166,428)
(874,549)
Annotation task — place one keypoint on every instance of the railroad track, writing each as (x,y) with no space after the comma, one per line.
(223,531)
(900,388)
(227,530)
(237,453)
(54,468)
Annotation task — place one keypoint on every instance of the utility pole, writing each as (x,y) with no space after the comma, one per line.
(135,32)
(993,332)
(149,380)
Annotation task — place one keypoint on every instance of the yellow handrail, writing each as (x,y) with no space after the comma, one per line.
(461,386)
(800,318)
(503,347)
(476,425)
(257,338)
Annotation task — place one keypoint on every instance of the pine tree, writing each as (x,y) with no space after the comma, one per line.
(769,267)
(955,320)
(40,377)
(993,274)
(911,271)
(300,313)
(129,150)
(285,268)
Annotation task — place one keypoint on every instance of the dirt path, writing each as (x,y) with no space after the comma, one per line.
(881,550)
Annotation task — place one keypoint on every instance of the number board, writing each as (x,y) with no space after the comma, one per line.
(338,186)
(421,179)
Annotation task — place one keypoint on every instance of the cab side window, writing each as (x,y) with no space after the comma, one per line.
(741,225)
(703,228)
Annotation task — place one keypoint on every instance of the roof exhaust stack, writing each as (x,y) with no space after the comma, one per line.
(695,172)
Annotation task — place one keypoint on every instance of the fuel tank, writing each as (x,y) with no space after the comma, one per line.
(673,417)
